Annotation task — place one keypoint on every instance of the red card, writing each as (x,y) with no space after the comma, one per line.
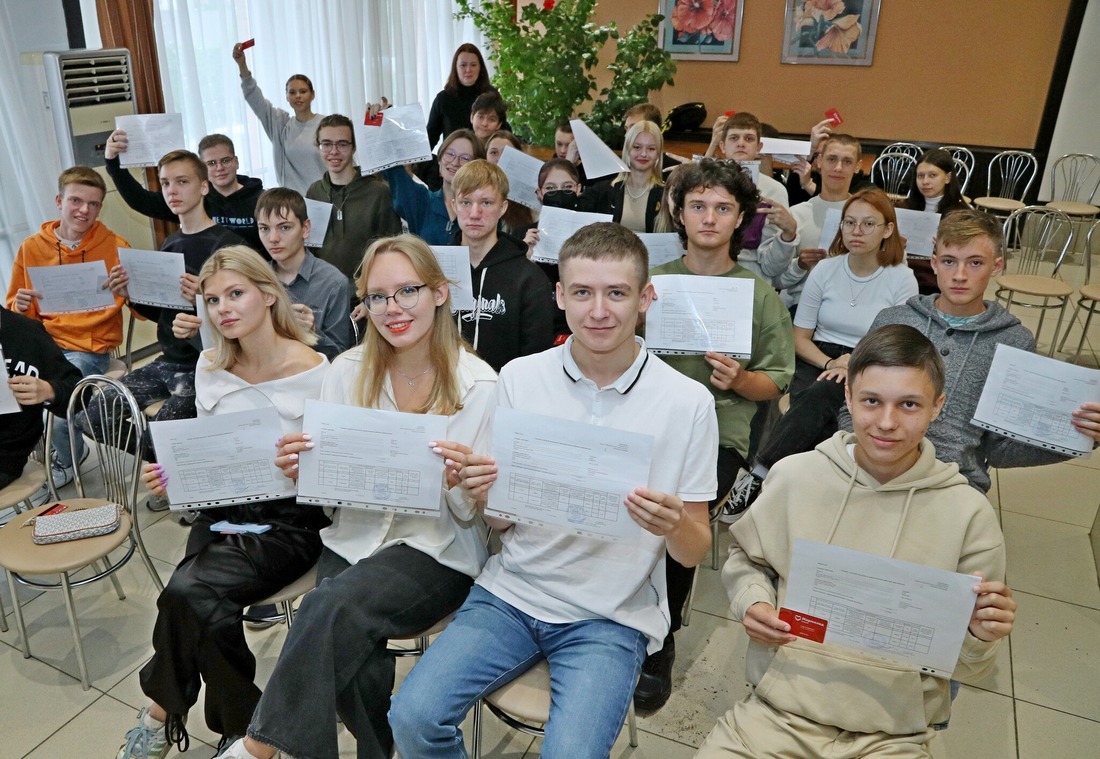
(247,44)
(730,113)
(376,121)
(833,115)
(805,626)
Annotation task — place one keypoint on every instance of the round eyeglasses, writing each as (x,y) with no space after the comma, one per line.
(407,297)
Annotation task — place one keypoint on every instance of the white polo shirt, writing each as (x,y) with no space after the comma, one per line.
(559,578)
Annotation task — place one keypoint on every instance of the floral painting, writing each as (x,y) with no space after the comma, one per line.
(836,32)
(702,30)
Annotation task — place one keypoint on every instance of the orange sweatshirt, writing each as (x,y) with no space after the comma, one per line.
(89,332)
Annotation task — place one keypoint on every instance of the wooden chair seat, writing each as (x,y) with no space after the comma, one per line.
(116,369)
(152,409)
(1030,284)
(527,698)
(1090,292)
(20,554)
(28,483)
(1003,205)
(1074,208)
(299,587)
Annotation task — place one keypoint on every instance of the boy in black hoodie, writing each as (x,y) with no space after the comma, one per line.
(232,203)
(514,311)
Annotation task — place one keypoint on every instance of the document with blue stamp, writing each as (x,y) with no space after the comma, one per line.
(369,459)
(567,475)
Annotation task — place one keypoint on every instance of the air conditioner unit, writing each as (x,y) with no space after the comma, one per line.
(87,90)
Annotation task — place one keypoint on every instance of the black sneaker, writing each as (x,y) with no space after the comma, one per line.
(655,683)
(744,493)
(262,617)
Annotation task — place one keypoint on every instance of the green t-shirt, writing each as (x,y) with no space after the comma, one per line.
(772,354)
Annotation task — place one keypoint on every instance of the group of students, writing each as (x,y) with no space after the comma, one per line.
(865,353)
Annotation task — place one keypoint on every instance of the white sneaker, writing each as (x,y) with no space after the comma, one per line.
(63,475)
(236,750)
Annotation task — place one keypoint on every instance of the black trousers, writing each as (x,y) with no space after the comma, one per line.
(677,576)
(199,636)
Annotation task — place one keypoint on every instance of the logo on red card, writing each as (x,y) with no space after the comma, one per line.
(805,626)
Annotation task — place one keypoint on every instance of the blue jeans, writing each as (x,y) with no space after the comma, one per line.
(88,364)
(594,666)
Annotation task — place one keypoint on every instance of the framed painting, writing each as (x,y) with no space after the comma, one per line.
(702,30)
(830,32)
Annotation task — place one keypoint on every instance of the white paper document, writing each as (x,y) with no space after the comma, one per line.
(401,138)
(1030,398)
(787,151)
(206,327)
(556,225)
(8,404)
(154,277)
(694,314)
(221,460)
(919,230)
(566,475)
(370,459)
(454,260)
(522,171)
(318,212)
(72,287)
(149,136)
(662,246)
(598,159)
(752,168)
(898,610)
(829,227)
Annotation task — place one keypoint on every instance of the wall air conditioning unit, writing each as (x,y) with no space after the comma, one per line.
(88,89)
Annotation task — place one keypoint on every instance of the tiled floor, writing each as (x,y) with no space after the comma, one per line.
(1042,701)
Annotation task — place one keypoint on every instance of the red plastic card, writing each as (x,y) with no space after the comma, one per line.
(805,626)
(376,121)
(833,115)
(248,43)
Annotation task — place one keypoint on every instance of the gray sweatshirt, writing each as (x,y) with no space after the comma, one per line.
(967,353)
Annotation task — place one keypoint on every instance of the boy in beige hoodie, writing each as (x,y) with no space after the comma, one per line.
(879,490)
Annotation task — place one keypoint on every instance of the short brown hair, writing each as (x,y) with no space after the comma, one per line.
(961,227)
(477,174)
(281,201)
(607,241)
(334,120)
(897,345)
(213,140)
(643,112)
(186,156)
(846,140)
(561,164)
(490,101)
(743,120)
(81,175)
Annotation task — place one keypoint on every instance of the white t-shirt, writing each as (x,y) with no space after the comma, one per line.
(839,306)
(455,538)
(560,578)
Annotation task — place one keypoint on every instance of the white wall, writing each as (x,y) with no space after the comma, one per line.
(1076,130)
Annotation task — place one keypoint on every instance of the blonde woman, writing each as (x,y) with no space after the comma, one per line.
(633,198)
(383,574)
(262,356)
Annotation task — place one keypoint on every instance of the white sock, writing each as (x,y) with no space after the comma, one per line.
(151,722)
(760,471)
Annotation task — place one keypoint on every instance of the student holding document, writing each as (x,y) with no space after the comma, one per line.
(384,574)
(86,337)
(262,356)
(633,198)
(591,608)
(880,491)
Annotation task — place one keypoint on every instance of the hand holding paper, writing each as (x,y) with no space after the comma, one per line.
(401,138)
(150,136)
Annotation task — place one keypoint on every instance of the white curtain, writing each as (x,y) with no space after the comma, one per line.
(353,51)
(26,189)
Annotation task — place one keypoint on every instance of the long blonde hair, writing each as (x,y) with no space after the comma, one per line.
(247,262)
(445,340)
(656,172)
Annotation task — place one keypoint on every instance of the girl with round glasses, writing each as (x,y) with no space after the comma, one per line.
(381,575)
(430,213)
(261,357)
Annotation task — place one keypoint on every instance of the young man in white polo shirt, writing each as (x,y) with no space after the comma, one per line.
(591,608)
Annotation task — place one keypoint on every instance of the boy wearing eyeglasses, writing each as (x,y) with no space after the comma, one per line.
(88,337)
(513,302)
(362,209)
(230,205)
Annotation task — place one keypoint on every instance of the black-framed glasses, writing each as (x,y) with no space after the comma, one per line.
(221,161)
(406,297)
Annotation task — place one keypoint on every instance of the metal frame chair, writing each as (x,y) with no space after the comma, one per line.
(893,173)
(1036,231)
(1078,176)
(120,428)
(1015,171)
(966,157)
(910,149)
(1088,296)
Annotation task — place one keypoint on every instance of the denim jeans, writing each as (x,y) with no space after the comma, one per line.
(594,666)
(88,364)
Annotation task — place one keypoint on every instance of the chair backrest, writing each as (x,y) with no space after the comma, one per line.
(911,150)
(893,172)
(1089,249)
(962,174)
(1034,233)
(966,157)
(1075,176)
(1010,175)
(104,410)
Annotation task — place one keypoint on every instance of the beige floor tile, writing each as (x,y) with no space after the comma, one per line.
(1056,656)
(1061,492)
(1051,559)
(38,701)
(1092,461)
(1045,733)
(999,680)
(982,725)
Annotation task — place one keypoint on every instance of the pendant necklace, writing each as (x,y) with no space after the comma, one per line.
(411,381)
(851,280)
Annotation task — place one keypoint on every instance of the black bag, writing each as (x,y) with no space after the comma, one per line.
(685,117)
